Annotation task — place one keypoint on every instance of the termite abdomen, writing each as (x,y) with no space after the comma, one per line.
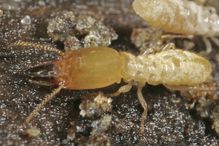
(170,67)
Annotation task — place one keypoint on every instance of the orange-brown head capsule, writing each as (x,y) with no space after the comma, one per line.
(88,68)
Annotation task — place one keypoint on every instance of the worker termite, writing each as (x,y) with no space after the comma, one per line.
(180,17)
(97,67)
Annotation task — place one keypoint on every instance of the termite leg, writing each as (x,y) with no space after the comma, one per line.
(123,89)
(215,40)
(43,103)
(168,46)
(173,36)
(209,86)
(144,105)
(127,88)
(196,91)
(149,51)
(178,88)
(200,2)
(35,45)
(208,45)
(43,83)
(184,90)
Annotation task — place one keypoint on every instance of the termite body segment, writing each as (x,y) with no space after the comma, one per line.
(179,16)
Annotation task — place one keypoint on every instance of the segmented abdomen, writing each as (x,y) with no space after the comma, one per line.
(178,16)
(171,67)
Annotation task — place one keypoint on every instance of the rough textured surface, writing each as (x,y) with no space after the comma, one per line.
(173,126)
(148,40)
(170,122)
(79,31)
(180,17)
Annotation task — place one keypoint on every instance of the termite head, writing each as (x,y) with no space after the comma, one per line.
(161,14)
(152,11)
(88,68)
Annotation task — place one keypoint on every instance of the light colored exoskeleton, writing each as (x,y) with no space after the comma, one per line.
(97,67)
(180,17)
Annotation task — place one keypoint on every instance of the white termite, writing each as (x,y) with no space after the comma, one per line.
(180,17)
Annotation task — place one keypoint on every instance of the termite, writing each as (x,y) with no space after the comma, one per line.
(180,17)
(98,67)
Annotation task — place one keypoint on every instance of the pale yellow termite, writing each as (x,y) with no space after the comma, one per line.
(97,67)
(180,17)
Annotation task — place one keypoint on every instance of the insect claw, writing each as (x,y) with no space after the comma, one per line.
(123,89)
(144,105)
(215,40)
(173,36)
(169,46)
(208,45)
